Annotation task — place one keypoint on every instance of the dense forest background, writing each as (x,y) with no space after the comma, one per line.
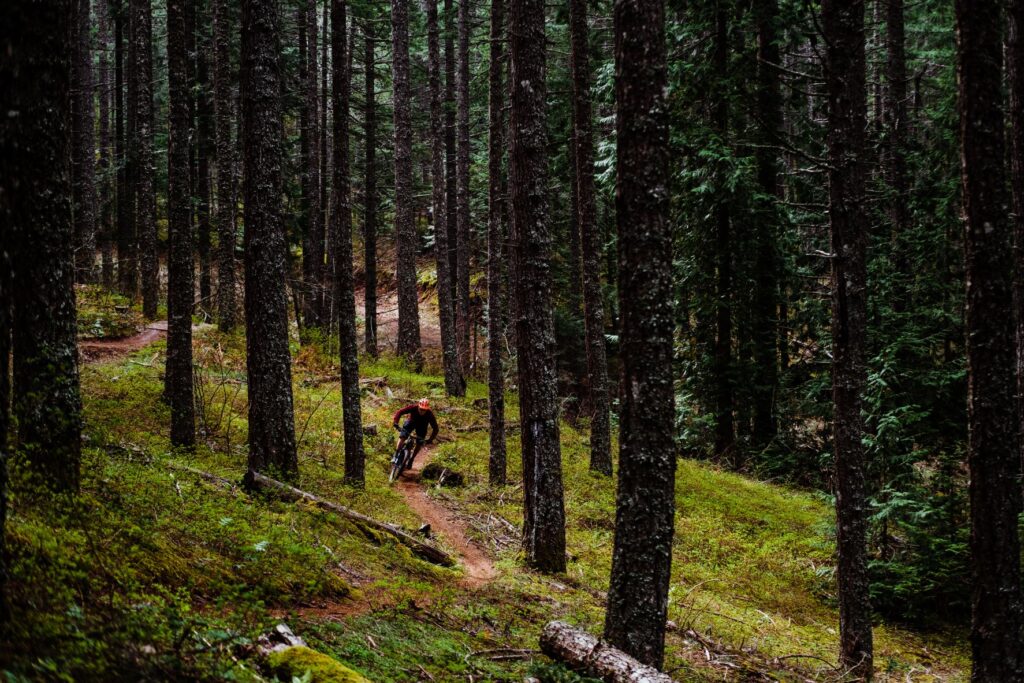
(487,244)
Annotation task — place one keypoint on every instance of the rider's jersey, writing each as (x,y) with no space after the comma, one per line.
(418,421)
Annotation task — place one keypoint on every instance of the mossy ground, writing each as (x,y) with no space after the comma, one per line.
(155,573)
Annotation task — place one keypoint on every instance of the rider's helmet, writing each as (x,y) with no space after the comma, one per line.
(424,404)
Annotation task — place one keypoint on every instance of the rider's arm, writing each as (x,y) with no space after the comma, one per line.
(404,411)
(432,420)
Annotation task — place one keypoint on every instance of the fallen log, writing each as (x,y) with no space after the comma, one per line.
(288,493)
(590,656)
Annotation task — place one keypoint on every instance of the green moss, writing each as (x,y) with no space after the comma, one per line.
(300,662)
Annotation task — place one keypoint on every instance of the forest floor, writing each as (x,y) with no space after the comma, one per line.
(154,572)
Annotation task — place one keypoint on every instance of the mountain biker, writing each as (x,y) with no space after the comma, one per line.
(420,416)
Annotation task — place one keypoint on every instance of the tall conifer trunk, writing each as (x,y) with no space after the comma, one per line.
(993,455)
(180,284)
(532,248)
(370,193)
(268,361)
(843,25)
(453,382)
(341,215)
(583,141)
(462,246)
(224,112)
(766,261)
(36,58)
(645,500)
(405,229)
(84,159)
(495,247)
(142,147)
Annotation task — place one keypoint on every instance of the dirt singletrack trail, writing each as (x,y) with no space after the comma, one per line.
(104,349)
(479,568)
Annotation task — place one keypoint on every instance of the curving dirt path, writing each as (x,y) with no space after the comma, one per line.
(479,568)
(103,349)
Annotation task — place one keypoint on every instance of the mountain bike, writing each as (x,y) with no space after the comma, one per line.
(402,459)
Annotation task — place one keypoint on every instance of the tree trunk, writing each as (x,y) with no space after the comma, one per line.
(496,467)
(1015,69)
(271,417)
(453,382)
(326,304)
(226,231)
(142,146)
(370,195)
(180,283)
(645,501)
(589,656)
(205,148)
(105,229)
(127,268)
(405,230)
(583,141)
(341,212)
(532,244)
(84,159)
(312,226)
(993,455)
(35,161)
(766,261)
(462,246)
(847,99)
(895,116)
(449,144)
(5,404)
(722,362)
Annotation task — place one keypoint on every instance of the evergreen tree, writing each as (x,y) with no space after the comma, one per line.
(405,229)
(180,276)
(35,153)
(341,215)
(645,499)
(993,454)
(532,247)
(495,251)
(843,26)
(268,361)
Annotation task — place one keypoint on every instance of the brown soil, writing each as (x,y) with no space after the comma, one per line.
(479,568)
(93,350)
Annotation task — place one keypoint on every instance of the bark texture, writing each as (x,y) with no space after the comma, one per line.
(645,499)
(766,327)
(180,275)
(205,149)
(449,141)
(843,25)
(142,147)
(84,154)
(532,246)
(35,161)
(224,112)
(370,194)
(993,455)
(313,227)
(345,287)
(268,362)
(589,656)
(453,383)
(405,229)
(496,464)
(105,170)
(462,246)
(586,228)
(127,265)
